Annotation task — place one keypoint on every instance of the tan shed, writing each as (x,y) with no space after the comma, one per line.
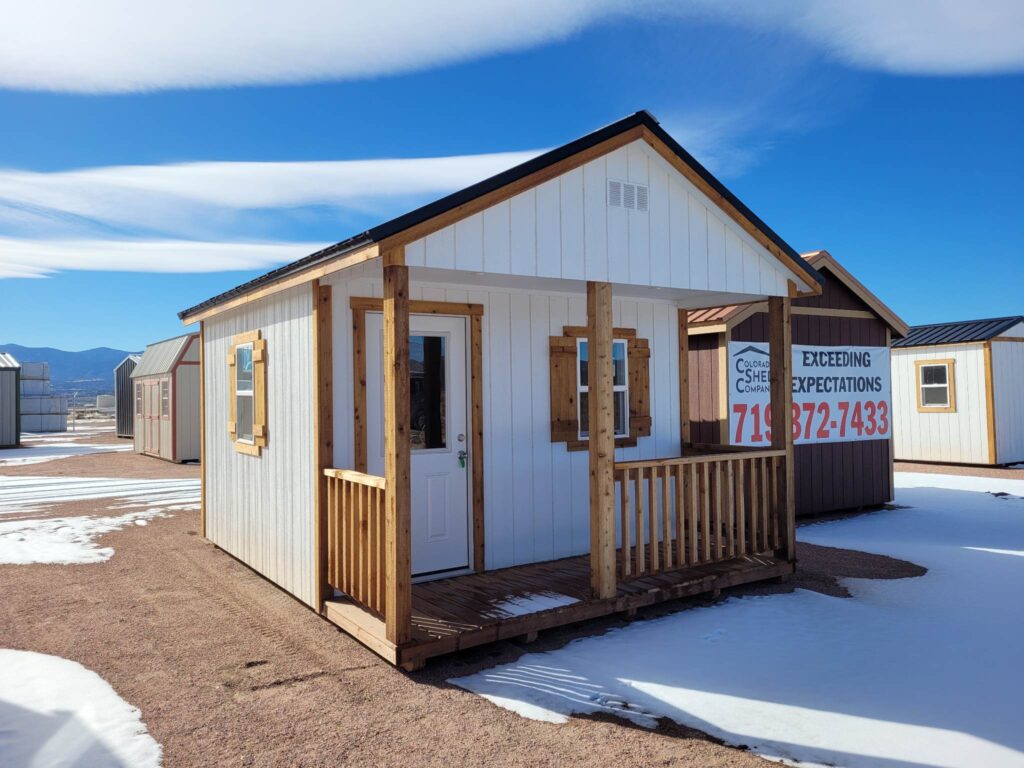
(166,388)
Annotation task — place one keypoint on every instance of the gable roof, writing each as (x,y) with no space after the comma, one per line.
(820,259)
(8,362)
(959,332)
(642,120)
(161,357)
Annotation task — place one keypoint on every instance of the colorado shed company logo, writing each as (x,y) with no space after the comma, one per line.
(751,369)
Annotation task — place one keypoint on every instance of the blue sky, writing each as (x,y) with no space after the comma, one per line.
(892,139)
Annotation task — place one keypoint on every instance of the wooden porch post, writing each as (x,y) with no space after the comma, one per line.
(397,555)
(684,379)
(780,340)
(323,407)
(601,440)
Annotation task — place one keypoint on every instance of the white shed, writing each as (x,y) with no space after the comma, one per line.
(958,392)
(10,401)
(166,382)
(483,403)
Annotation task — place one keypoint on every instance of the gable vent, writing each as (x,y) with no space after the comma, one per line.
(615,194)
(632,197)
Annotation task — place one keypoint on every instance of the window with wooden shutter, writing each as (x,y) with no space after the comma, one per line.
(247,374)
(567,382)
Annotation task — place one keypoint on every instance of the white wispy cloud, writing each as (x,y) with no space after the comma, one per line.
(138,45)
(185,198)
(22,257)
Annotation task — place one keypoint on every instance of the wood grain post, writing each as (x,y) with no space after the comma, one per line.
(398,550)
(323,423)
(601,440)
(684,380)
(780,341)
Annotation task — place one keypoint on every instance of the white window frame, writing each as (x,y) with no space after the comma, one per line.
(945,366)
(581,387)
(250,393)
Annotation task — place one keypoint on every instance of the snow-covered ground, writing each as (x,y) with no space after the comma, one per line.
(30,535)
(55,712)
(39,448)
(910,672)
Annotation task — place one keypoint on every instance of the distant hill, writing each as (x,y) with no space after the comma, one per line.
(90,371)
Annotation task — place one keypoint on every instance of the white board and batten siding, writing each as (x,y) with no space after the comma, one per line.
(958,437)
(567,229)
(261,509)
(536,492)
(1008,397)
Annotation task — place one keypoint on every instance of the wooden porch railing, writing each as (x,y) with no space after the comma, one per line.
(355,536)
(690,510)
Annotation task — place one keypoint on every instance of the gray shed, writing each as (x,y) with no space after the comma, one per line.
(10,401)
(166,389)
(123,396)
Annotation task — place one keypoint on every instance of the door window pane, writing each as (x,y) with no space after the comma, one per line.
(428,391)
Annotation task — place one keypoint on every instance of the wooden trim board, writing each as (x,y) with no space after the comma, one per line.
(202,429)
(990,404)
(323,424)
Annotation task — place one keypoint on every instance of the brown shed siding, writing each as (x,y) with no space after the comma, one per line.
(829,476)
(703,362)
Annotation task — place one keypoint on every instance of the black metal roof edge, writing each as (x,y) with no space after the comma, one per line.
(993,326)
(455,199)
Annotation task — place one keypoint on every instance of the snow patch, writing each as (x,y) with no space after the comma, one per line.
(17,493)
(58,713)
(53,450)
(917,671)
(63,540)
(533,602)
(71,540)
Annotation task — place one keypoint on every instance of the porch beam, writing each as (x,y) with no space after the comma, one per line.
(398,550)
(780,350)
(601,439)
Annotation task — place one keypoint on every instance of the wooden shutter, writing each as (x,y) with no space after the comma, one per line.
(259,391)
(639,388)
(564,423)
(231,407)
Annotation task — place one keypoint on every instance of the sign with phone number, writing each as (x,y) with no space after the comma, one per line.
(839,394)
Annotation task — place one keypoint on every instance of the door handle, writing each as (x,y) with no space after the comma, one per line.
(462,455)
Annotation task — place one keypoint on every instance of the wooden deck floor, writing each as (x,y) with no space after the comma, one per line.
(465,611)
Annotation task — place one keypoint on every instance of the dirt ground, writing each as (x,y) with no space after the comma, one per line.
(229,670)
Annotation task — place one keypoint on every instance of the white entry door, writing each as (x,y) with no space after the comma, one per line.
(438,372)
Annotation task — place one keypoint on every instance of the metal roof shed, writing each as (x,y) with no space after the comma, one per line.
(10,401)
(125,415)
(957,393)
(166,388)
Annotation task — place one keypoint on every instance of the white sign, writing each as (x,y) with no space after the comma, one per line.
(839,394)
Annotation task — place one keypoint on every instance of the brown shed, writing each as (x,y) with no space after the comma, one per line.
(837,467)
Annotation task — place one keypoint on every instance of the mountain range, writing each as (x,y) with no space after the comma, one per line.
(90,371)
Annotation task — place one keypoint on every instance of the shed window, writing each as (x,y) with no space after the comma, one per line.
(570,387)
(243,393)
(138,399)
(936,386)
(248,376)
(620,387)
(165,399)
